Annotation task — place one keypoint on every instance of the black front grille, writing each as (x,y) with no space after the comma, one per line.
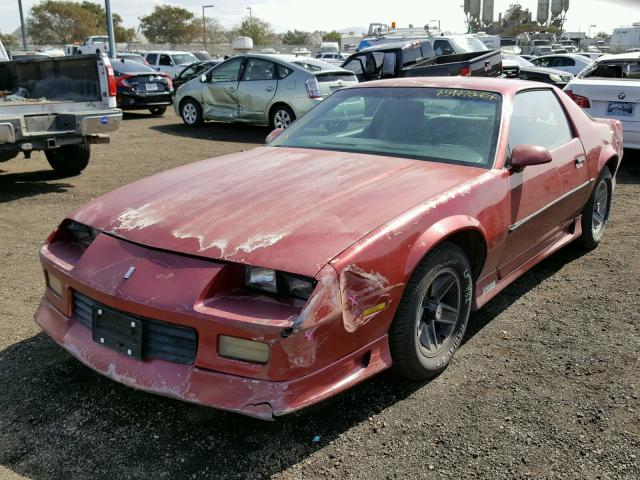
(160,340)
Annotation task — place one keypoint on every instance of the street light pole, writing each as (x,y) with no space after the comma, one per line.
(204,26)
(22,26)
(112,43)
(250,21)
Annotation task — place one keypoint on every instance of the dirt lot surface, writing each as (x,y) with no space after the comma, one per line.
(546,385)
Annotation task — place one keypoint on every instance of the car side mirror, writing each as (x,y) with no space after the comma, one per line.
(273,135)
(203,78)
(525,155)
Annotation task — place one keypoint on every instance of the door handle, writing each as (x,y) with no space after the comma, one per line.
(580,159)
(269,89)
(232,89)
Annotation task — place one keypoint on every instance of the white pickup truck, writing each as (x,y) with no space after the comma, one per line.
(59,106)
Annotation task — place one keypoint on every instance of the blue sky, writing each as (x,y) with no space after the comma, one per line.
(339,14)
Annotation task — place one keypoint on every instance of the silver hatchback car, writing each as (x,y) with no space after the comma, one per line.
(257,88)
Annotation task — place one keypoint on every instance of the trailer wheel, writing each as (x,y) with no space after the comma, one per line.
(70,159)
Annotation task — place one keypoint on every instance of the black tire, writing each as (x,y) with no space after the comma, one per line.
(7,155)
(595,215)
(415,355)
(281,117)
(191,113)
(70,159)
(158,111)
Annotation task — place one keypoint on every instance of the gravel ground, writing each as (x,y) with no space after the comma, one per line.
(546,385)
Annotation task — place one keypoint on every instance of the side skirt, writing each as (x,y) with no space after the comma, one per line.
(487,294)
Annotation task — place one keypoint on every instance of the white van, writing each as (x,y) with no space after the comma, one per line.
(625,38)
(170,62)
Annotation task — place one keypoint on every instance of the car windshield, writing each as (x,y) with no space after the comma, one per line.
(131,66)
(184,58)
(620,69)
(433,124)
(469,44)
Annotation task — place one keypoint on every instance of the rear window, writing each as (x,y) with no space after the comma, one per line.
(130,66)
(621,70)
(152,58)
(334,77)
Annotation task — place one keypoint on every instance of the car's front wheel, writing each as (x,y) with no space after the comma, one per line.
(158,111)
(596,212)
(432,316)
(191,113)
(281,117)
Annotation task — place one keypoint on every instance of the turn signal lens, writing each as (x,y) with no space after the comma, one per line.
(242,349)
(54,283)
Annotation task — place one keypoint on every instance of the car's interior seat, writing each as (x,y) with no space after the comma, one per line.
(399,121)
(474,133)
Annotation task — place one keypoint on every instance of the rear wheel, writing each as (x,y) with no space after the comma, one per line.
(596,212)
(281,117)
(433,313)
(191,113)
(158,111)
(70,159)
(8,155)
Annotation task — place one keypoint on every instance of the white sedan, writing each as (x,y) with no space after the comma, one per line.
(568,62)
(610,88)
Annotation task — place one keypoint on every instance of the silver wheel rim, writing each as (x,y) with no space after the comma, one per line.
(600,208)
(439,314)
(189,113)
(281,119)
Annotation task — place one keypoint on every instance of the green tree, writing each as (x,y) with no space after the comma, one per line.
(260,31)
(332,37)
(121,33)
(215,31)
(602,35)
(8,40)
(173,25)
(66,21)
(296,37)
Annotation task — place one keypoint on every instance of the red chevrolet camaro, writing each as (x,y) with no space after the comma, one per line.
(356,240)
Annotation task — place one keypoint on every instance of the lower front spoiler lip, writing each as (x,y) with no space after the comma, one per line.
(262,399)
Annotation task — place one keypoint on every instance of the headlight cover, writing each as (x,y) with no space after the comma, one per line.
(273,281)
(81,233)
(555,78)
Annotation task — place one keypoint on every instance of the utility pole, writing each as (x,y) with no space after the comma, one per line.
(204,26)
(112,43)
(22,26)
(250,21)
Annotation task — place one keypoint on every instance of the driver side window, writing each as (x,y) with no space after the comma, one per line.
(538,119)
(228,71)
(165,60)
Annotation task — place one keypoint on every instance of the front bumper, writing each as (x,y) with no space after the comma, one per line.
(257,398)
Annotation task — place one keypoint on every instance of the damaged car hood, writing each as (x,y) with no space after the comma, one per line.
(285,208)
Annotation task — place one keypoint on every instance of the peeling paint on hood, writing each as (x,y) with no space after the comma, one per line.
(290,209)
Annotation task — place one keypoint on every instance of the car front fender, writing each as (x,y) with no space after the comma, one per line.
(439,232)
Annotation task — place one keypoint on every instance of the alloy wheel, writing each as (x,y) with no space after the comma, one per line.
(440,312)
(189,113)
(282,119)
(600,207)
